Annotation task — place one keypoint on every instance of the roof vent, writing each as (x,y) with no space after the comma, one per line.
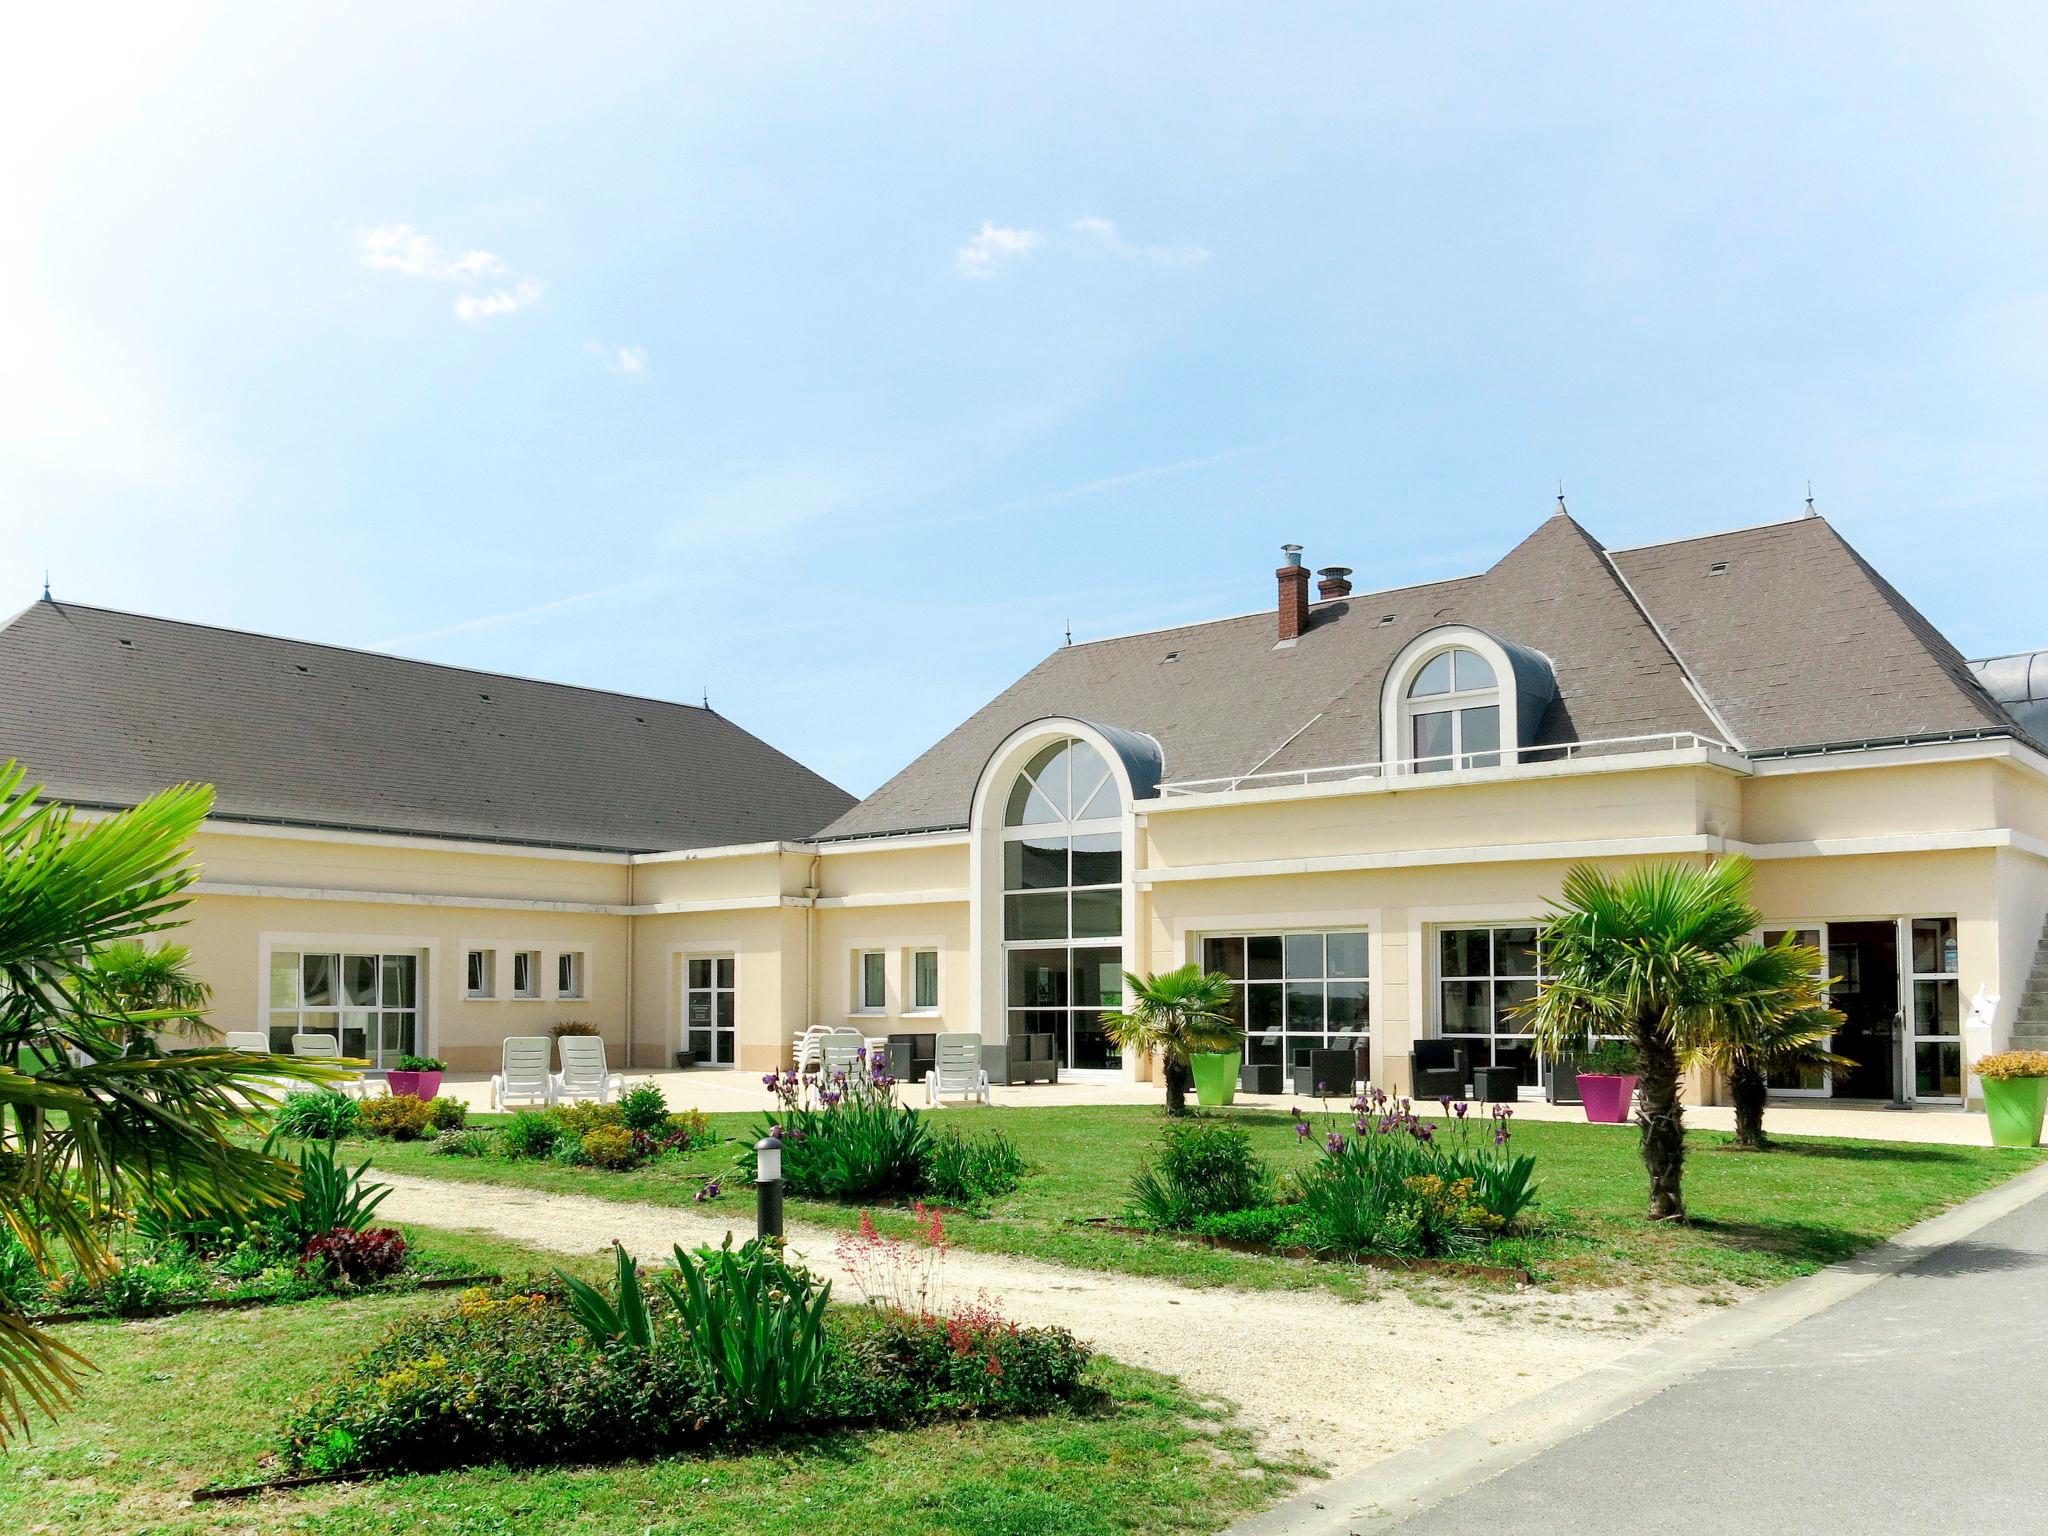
(299,666)
(1718,568)
(1383,621)
(1335,582)
(485,697)
(129,643)
(1171,656)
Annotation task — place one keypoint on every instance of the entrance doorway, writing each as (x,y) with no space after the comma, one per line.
(1864,960)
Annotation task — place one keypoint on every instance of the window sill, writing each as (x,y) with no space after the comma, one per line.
(925,1013)
(479,997)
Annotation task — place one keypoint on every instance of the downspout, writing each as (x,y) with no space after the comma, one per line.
(632,871)
(811,889)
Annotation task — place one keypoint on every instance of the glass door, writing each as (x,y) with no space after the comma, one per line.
(1806,1082)
(1934,1010)
(369,1002)
(710,1009)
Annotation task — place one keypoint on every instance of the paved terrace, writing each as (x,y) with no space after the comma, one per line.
(719,1090)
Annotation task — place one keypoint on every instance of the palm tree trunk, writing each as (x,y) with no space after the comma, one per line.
(1747,1087)
(1176,1084)
(1662,1118)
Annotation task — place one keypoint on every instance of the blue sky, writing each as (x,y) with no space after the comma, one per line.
(833,359)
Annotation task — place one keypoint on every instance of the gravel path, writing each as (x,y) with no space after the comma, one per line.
(1334,1382)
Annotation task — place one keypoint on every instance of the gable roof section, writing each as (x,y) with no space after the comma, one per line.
(1228,702)
(104,707)
(1799,642)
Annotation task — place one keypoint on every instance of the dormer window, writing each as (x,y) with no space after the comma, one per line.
(1453,710)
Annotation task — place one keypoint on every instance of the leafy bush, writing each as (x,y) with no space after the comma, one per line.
(317,1114)
(1276,1225)
(899,1369)
(530,1133)
(353,1257)
(608,1146)
(146,1283)
(20,1281)
(846,1138)
(685,1129)
(422,1064)
(643,1108)
(464,1143)
(1608,1058)
(1203,1167)
(330,1194)
(396,1116)
(574,1027)
(447,1114)
(582,1116)
(965,1170)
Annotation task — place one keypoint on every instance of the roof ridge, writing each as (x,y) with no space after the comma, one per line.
(63,606)
(1267,613)
(1721,533)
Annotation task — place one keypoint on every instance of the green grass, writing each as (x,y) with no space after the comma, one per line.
(1758,1218)
(198,1399)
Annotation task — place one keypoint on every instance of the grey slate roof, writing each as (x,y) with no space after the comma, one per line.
(104,707)
(1799,643)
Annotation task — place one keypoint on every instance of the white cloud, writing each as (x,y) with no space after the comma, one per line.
(473,307)
(403,249)
(995,246)
(619,359)
(1105,232)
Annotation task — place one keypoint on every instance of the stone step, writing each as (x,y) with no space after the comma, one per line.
(2035,1042)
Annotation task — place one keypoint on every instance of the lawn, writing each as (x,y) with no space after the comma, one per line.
(1758,1218)
(198,1399)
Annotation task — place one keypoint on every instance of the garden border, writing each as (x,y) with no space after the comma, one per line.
(1458,1267)
(245,1303)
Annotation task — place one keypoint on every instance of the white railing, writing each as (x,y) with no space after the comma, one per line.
(1501,757)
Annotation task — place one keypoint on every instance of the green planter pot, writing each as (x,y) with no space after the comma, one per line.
(1216,1078)
(2015,1106)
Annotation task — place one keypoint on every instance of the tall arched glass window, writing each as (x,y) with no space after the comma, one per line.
(1063,901)
(1453,711)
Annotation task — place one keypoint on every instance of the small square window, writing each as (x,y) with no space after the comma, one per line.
(874,981)
(924,980)
(569,973)
(480,979)
(526,973)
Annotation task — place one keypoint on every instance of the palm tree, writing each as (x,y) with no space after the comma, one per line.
(1771,1016)
(145,983)
(1641,955)
(92,1122)
(1177,1014)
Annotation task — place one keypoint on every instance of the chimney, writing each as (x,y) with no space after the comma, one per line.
(1335,582)
(1293,593)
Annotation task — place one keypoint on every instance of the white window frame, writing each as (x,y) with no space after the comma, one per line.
(861,1004)
(1433,961)
(713,953)
(1398,711)
(489,991)
(333,1018)
(530,993)
(578,961)
(912,1007)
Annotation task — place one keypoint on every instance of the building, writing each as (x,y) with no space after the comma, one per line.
(1356,804)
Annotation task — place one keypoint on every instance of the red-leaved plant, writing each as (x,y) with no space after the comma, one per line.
(354,1257)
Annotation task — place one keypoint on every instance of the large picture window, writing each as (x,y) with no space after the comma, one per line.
(1063,902)
(1295,992)
(370,1002)
(1483,975)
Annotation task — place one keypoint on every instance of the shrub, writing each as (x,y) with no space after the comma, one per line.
(899,1369)
(422,1064)
(608,1146)
(2005,1065)
(355,1257)
(574,1027)
(966,1170)
(317,1114)
(686,1129)
(1203,1167)
(447,1114)
(847,1138)
(530,1133)
(146,1283)
(584,1115)
(643,1108)
(21,1283)
(464,1143)
(1275,1225)
(1608,1058)
(397,1116)
(330,1194)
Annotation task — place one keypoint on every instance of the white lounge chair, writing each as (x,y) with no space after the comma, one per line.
(328,1048)
(523,1076)
(253,1041)
(809,1050)
(957,1072)
(841,1050)
(584,1074)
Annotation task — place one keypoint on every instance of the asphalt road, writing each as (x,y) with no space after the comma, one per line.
(1917,1405)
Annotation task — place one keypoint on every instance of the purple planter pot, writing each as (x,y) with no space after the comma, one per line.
(418,1085)
(1606,1098)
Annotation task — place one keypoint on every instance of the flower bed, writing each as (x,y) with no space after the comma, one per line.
(847,1138)
(736,1344)
(1386,1184)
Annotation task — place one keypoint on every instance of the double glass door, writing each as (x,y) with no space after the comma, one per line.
(1895,982)
(710,1009)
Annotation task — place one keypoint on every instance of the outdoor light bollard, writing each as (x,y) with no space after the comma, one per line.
(768,1187)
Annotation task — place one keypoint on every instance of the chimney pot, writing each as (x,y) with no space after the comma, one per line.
(1293,593)
(1335,582)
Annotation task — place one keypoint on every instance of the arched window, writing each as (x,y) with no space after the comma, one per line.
(1063,901)
(1452,706)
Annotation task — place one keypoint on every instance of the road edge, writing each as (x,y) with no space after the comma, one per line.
(1400,1486)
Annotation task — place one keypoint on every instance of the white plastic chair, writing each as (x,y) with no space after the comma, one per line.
(523,1075)
(840,1051)
(809,1050)
(356,1085)
(957,1072)
(253,1041)
(584,1073)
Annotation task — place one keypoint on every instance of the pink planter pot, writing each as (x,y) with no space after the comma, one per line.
(1606,1097)
(418,1085)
